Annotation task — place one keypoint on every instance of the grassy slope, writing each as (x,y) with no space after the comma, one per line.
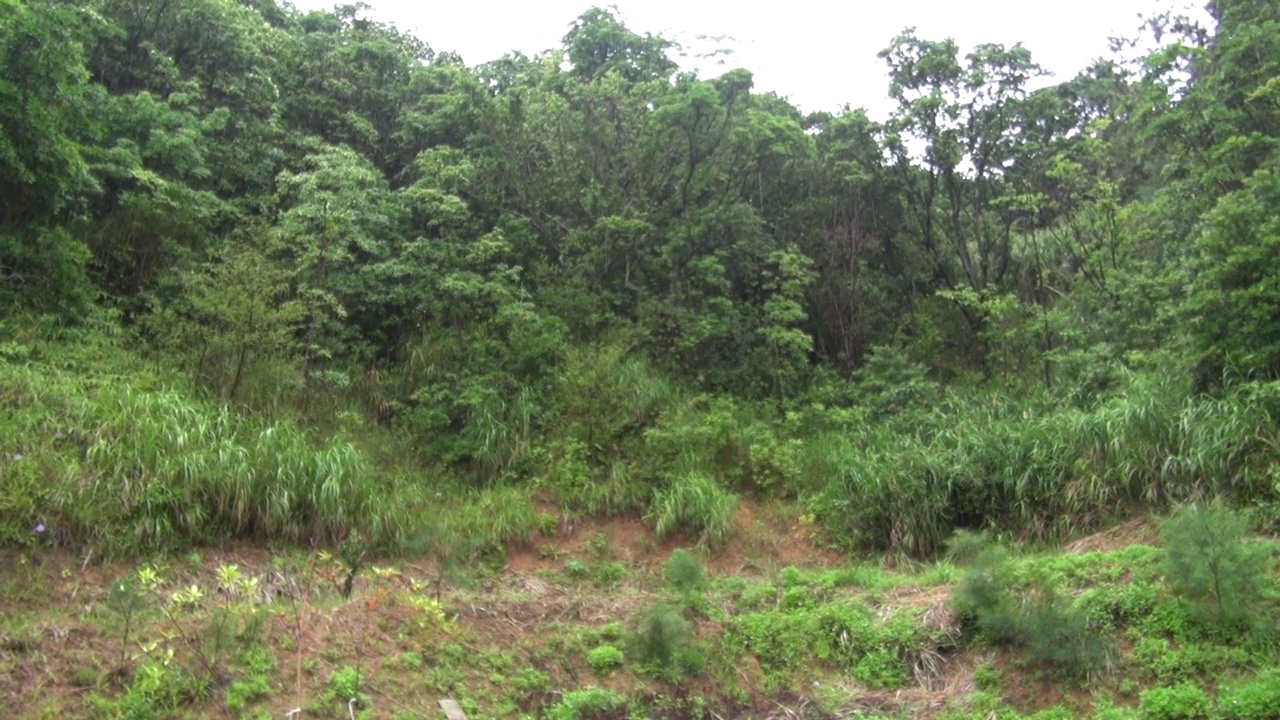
(779,621)
(103,450)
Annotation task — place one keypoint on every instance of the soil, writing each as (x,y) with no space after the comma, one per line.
(59,645)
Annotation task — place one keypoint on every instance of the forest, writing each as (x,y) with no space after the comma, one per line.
(295,291)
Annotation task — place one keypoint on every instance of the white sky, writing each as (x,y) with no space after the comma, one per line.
(821,55)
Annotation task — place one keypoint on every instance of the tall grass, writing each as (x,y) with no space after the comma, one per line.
(1041,470)
(100,460)
(696,505)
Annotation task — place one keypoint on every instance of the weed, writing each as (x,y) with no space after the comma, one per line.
(586,704)
(577,569)
(242,692)
(604,659)
(609,574)
(1257,699)
(660,632)
(611,632)
(987,677)
(345,684)
(411,660)
(695,504)
(1181,702)
(683,573)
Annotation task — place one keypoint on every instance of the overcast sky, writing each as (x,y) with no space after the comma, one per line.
(820,54)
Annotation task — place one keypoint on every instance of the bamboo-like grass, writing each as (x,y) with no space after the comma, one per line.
(132,469)
(696,505)
(1047,472)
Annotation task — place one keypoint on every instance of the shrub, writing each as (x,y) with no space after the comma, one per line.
(660,633)
(1207,561)
(1256,700)
(986,600)
(780,641)
(683,572)
(1181,702)
(695,504)
(1047,626)
(608,574)
(1060,636)
(604,659)
(586,704)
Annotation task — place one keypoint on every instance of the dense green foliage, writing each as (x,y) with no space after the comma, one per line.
(367,280)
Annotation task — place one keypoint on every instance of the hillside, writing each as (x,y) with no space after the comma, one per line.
(774,628)
(338,374)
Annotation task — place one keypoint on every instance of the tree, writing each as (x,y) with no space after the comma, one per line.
(963,116)
(232,311)
(45,122)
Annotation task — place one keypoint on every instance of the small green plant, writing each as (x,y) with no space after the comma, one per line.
(604,659)
(610,632)
(609,573)
(987,677)
(586,704)
(1207,562)
(344,685)
(1255,700)
(128,602)
(683,573)
(242,692)
(758,596)
(600,546)
(411,660)
(577,569)
(1181,702)
(660,632)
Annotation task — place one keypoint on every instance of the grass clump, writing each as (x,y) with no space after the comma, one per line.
(696,505)
(586,704)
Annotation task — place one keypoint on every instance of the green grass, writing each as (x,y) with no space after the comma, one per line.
(696,505)
(1039,469)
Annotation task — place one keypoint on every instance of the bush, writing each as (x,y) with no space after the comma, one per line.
(1182,702)
(604,659)
(683,572)
(780,641)
(1048,627)
(1207,561)
(660,634)
(695,504)
(1257,700)
(986,600)
(586,704)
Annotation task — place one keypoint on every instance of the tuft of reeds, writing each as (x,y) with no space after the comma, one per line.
(696,505)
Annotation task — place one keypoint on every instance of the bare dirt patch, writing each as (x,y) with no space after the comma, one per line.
(1139,531)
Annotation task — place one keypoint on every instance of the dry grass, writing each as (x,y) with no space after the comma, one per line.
(1139,531)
